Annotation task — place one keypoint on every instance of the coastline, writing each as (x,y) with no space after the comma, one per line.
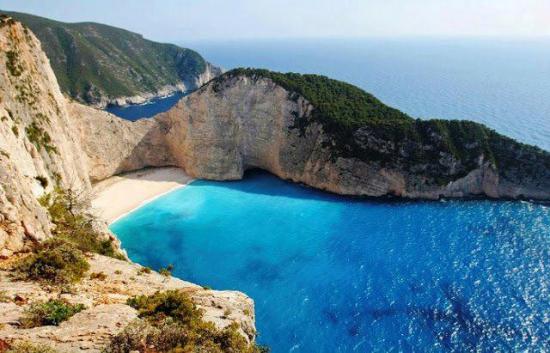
(117,196)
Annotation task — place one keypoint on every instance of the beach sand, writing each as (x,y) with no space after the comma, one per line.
(118,195)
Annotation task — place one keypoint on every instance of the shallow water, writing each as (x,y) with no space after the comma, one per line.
(335,274)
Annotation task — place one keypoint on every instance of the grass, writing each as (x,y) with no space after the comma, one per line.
(27,347)
(171,322)
(51,312)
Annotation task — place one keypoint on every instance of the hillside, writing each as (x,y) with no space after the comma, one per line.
(100,64)
(357,122)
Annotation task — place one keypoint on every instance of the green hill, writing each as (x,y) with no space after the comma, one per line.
(93,61)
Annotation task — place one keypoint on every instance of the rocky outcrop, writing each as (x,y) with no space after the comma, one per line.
(241,123)
(106,312)
(46,140)
(37,144)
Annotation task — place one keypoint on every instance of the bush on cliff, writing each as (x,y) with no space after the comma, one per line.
(73,223)
(171,322)
(52,312)
(55,261)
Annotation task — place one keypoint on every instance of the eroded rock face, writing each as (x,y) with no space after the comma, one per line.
(224,129)
(37,144)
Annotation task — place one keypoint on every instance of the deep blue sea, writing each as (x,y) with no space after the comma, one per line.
(333,274)
(134,112)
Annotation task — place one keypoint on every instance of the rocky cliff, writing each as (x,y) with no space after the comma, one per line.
(247,119)
(37,144)
(48,141)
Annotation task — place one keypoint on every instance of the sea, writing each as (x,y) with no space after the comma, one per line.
(337,274)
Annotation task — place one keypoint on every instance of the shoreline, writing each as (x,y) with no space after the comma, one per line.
(117,196)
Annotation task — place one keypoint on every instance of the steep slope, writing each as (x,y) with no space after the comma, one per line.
(100,64)
(334,136)
(40,147)
(37,147)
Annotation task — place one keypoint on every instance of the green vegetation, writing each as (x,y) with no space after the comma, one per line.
(12,63)
(56,262)
(92,60)
(144,270)
(167,272)
(15,130)
(361,126)
(40,138)
(27,347)
(52,312)
(74,224)
(172,323)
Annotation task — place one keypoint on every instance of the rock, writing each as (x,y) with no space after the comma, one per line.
(106,311)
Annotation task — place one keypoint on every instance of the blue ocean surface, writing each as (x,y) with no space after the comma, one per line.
(335,274)
(134,112)
(503,83)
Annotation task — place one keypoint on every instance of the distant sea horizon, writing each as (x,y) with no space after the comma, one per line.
(501,82)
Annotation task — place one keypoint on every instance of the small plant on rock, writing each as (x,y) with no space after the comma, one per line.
(52,312)
(27,347)
(55,261)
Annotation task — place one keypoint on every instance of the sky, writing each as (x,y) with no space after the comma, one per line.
(174,20)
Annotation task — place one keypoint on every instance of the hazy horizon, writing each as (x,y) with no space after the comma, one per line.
(215,20)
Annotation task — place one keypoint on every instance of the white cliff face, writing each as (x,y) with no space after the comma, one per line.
(37,145)
(220,131)
(112,145)
(46,140)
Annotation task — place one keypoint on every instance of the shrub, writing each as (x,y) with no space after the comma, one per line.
(52,312)
(55,261)
(27,347)
(144,270)
(74,224)
(12,63)
(175,304)
(40,138)
(100,276)
(172,323)
(167,272)
(15,130)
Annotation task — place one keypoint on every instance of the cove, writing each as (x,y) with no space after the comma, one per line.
(336,274)
(155,106)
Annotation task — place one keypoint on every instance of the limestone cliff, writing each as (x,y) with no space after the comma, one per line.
(45,140)
(37,144)
(240,122)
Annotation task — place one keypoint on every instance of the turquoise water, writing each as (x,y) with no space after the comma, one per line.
(333,274)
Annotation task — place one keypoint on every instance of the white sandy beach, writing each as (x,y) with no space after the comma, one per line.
(118,195)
